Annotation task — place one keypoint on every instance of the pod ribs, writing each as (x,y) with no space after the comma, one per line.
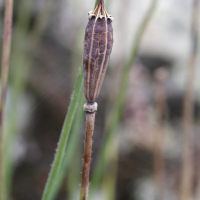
(98,44)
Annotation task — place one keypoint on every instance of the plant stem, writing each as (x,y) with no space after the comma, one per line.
(60,152)
(94,73)
(117,111)
(90,119)
(188,115)
(4,81)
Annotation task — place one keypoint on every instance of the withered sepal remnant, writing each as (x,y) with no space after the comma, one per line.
(98,44)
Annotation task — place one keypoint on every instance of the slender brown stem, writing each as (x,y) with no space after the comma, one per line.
(188,116)
(94,71)
(159,170)
(90,119)
(4,80)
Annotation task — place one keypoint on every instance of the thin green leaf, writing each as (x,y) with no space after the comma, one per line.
(60,152)
(71,148)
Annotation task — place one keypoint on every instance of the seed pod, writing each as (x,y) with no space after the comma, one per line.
(97,48)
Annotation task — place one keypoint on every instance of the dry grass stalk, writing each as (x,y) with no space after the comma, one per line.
(4,80)
(97,48)
(159,170)
(188,116)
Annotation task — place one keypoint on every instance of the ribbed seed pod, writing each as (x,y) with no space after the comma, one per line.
(97,48)
(98,44)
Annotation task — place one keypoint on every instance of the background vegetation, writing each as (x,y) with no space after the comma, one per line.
(140,137)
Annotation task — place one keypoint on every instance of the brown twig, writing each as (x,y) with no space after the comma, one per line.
(90,119)
(4,80)
(97,48)
(188,115)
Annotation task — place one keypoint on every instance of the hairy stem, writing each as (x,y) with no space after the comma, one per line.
(4,80)
(90,119)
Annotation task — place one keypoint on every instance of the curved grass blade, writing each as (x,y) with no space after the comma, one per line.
(60,152)
(73,142)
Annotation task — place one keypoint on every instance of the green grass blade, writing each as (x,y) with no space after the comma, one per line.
(71,148)
(73,175)
(60,152)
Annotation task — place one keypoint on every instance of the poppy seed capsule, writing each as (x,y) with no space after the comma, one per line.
(98,44)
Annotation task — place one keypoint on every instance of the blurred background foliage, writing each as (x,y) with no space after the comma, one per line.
(144,156)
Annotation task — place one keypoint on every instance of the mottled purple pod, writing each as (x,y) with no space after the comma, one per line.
(98,44)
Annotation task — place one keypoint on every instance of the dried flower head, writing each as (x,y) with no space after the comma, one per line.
(98,44)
